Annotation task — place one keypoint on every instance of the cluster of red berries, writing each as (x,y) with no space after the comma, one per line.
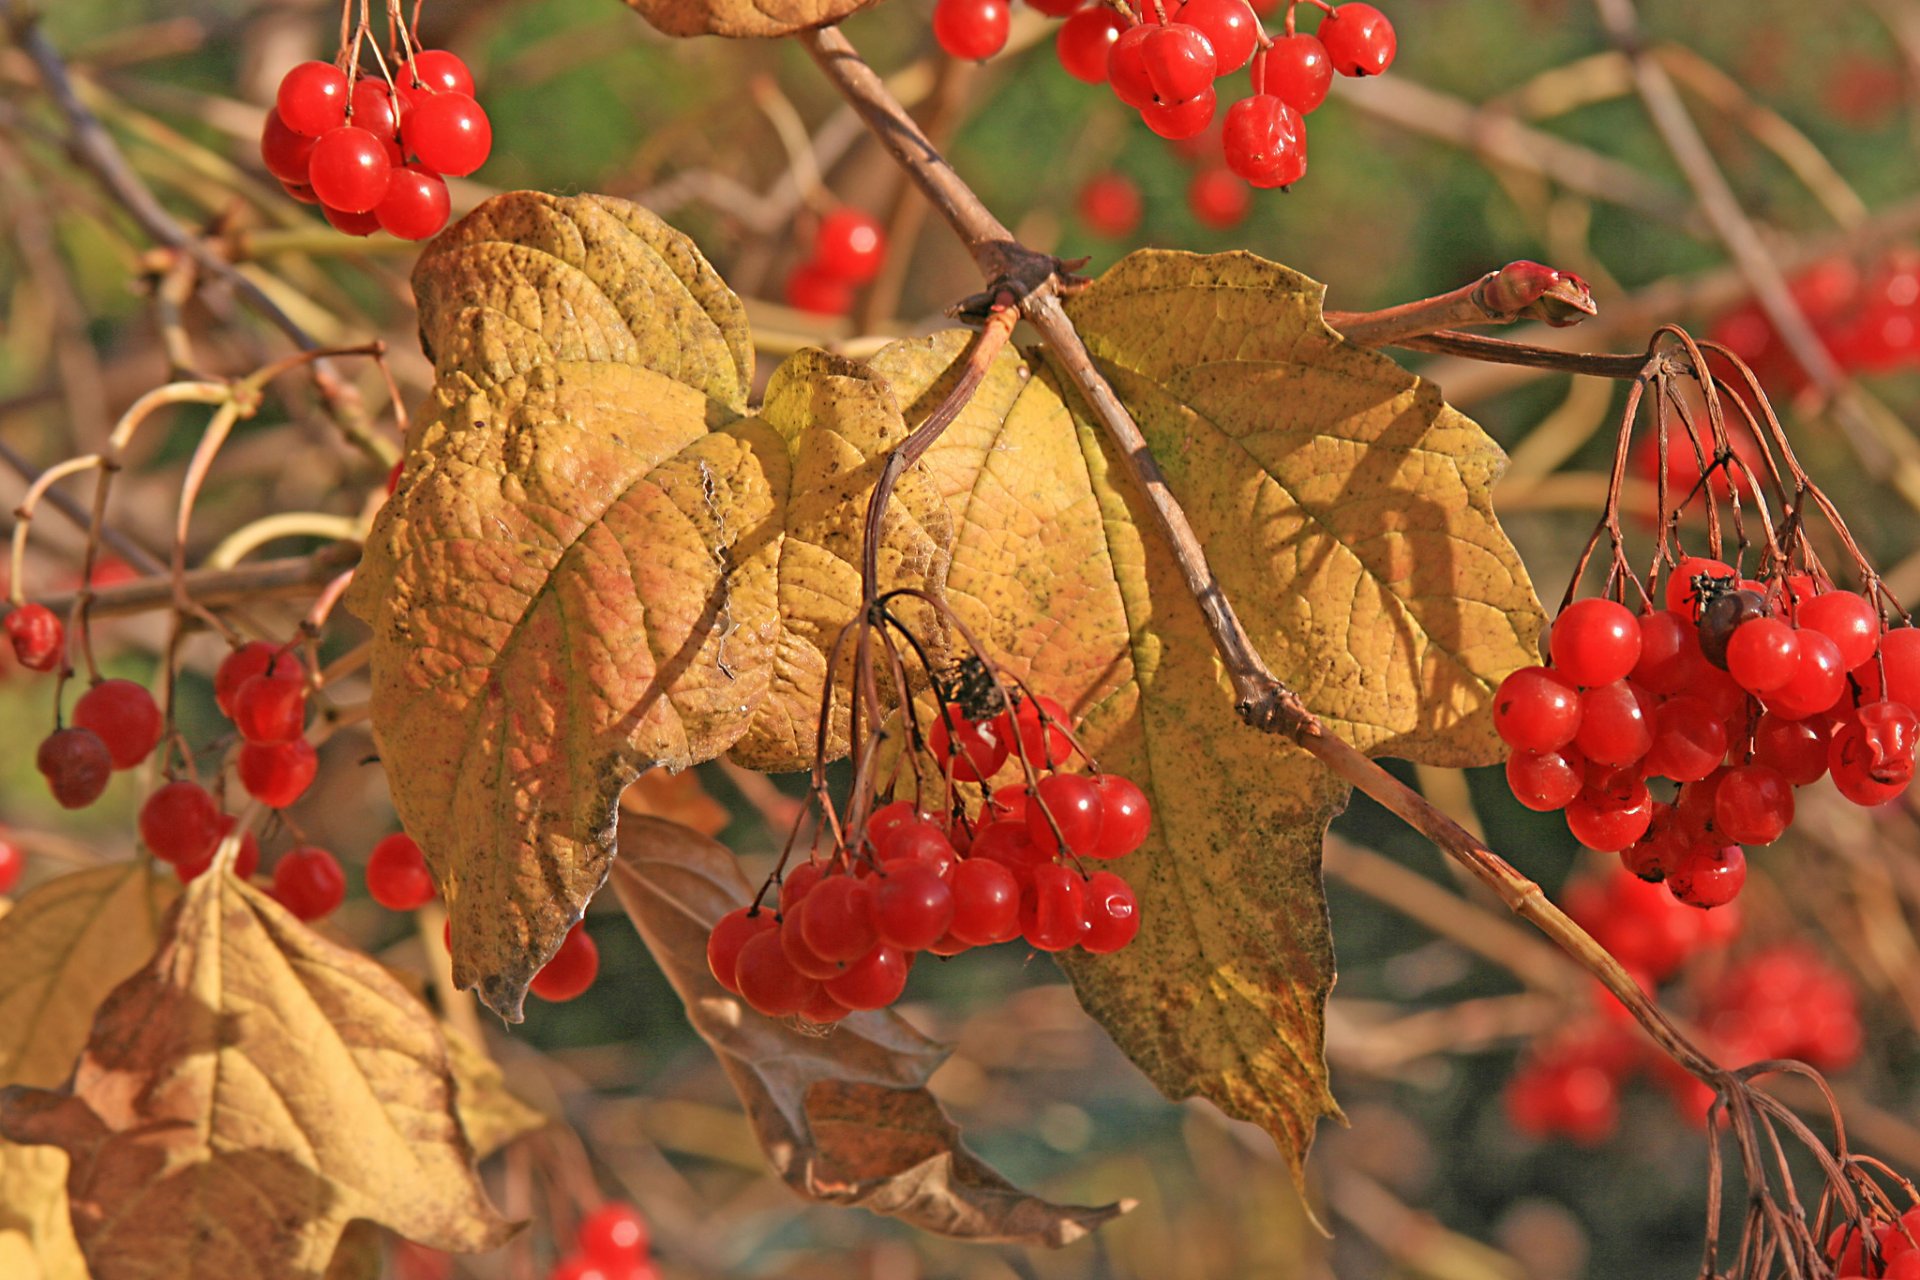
(848,250)
(1868,318)
(1110,203)
(1737,692)
(848,929)
(1893,1255)
(611,1244)
(372,154)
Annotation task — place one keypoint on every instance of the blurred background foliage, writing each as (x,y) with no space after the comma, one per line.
(1411,191)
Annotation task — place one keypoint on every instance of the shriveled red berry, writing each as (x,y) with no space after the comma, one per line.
(308,882)
(397,875)
(730,933)
(37,636)
(571,971)
(180,822)
(1053,914)
(1113,913)
(76,765)
(123,713)
(1360,41)
(1264,141)
(1850,760)
(1889,731)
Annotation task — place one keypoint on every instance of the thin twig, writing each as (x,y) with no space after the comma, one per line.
(212,588)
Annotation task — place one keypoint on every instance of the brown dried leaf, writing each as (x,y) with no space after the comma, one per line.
(490,1114)
(676,797)
(844,1117)
(743,17)
(254,1062)
(36,1234)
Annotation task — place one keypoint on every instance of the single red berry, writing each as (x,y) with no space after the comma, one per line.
(971,29)
(448,133)
(874,981)
(1535,710)
(37,636)
(969,751)
(277,773)
(1071,803)
(350,224)
(1229,26)
(1125,816)
(124,715)
(1180,62)
(800,954)
(850,245)
(283,151)
(1297,71)
(1176,120)
(912,905)
(768,981)
(571,970)
(1889,730)
(811,287)
(1110,205)
(1614,728)
(1053,913)
(349,169)
(312,98)
(838,923)
(1684,585)
(1265,141)
(1900,655)
(438,71)
(1850,759)
(822,1010)
(1359,40)
(894,813)
(397,875)
(1763,655)
(798,884)
(1054,8)
(1218,198)
(1818,682)
(180,823)
(308,882)
(1546,780)
(1127,69)
(1113,913)
(1797,748)
(271,707)
(1754,805)
(1084,41)
(1688,742)
(373,110)
(986,902)
(1709,875)
(1846,619)
(416,204)
(1724,613)
(1612,817)
(246,860)
(76,765)
(1669,652)
(1595,642)
(1037,730)
(1008,844)
(252,659)
(730,933)
(614,1233)
(918,841)
(13,861)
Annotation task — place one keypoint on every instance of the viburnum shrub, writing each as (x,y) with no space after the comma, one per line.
(1075,624)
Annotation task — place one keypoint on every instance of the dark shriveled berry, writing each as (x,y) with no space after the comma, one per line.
(1722,616)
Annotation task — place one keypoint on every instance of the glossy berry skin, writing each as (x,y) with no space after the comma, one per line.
(1053,913)
(1110,205)
(1298,72)
(76,765)
(416,204)
(397,875)
(851,245)
(1125,816)
(284,152)
(1846,619)
(308,882)
(912,905)
(349,169)
(438,71)
(1054,8)
(1176,120)
(124,715)
(920,840)
(1179,60)
(37,636)
(571,971)
(838,921)
(1127,68)
(730,933)
(767,979)
(13,861)
(312,98)
(252,659)
(1614,729)
(448,133)
(1722,615)
(1610,819)
(1797,748)
(1709,875)
(1008,844)
(277,774)
(969,750)
(373,110)
(1229,26)
(1669,649)
(180,822)
(800,955)
(1763,655)
(1595,642)
(1688,742)
(1084,41)
(1113,913)
(350,224)
(1359,40)
(1754,805)
(1818,681)
(873,981)
(1546,780)
(810,287)
(1535,710)
(986,902)
(971,29)
(1071,803)
(271,708)
(1217,198)
(798,884)
(1265,141)
(614,1233)
(1851,761)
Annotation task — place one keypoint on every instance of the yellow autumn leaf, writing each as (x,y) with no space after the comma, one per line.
(743,17)
(254,1060)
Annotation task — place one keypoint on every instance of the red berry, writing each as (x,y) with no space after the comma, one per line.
(1008,844)
(373,110)
(1535,710)
(252,659)
(811,287)
(1819,681)
(308,882)
(312,98)
(38,638)
(1669,652)
(986,902)
(13,861)
(730,933)
(1179,60)
(1595,642)
(1178,120)
(838,922)
(416,204)
(1218,198)
(1754,805)
(349,169)
(397,875)
(912,905)
(1229,26)
(124,715)
(768,981)
(1071,803)
(277,774)
(798,884)
(799,954)
(1614,729)
(1546,780)
(822,1009)
(888,817)
(1127,69)
(350,224)
(979,753)
(571,971)
(1125,816)
(874,981)
(1084,41)
(1113,913)
(971,29)
(246,860)
(1055,8)
(1053,913)
(1359,40)
(1846,619)
(271,708)
(1889,731)
(1688,742)
(447,132)
(76,765)
(1612,817)
(438,71)
(1850,758)
(283,151)
(614,1233)
(1110,205)
(919,840)
(181,823)
(1708,875)
(1763,655)
(1797,748)
(850,245)
(1688,577)
(1297,71)
(1265,141)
